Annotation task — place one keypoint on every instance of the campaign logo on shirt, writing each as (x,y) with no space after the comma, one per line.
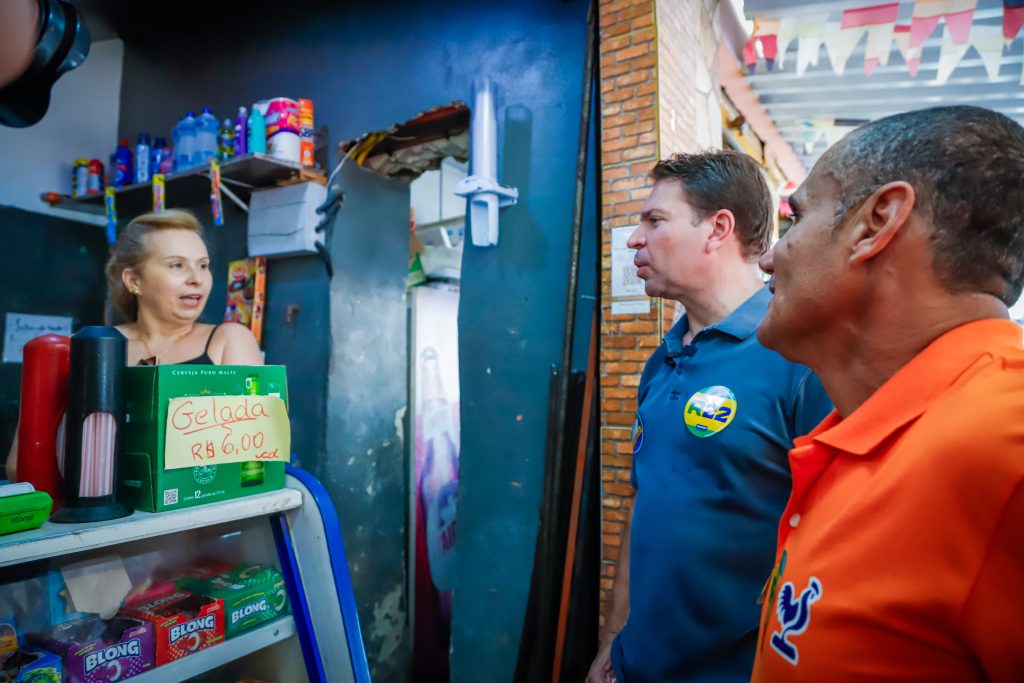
(709,411)
(794,617)
(638,433)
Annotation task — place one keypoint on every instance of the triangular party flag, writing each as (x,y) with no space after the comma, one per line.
(950,54)
(787,31)
(987,39)
(911,55)
(764,36)
(810,35)
(839,43)
(1013,19)
(879,21)
(958,14)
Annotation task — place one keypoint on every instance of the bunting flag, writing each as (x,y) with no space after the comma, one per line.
(1013,19)
(810,35)
(987,39)
(839,43)
(787,31)
(879,22)
(958,15)
(765,35)
(911,55)
(950,55)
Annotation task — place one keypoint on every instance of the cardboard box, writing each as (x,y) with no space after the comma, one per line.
(98,651)
(252,594)
(148,390)
(183,623)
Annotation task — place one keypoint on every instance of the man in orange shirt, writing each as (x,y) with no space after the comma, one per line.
(901,551)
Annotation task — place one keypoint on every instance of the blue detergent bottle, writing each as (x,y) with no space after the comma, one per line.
(207,129)
(123,166)
(184,142)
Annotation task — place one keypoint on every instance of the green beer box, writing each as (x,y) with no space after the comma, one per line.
(253,594)
(148,392)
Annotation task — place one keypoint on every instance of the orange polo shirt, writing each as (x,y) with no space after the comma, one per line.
(901,552)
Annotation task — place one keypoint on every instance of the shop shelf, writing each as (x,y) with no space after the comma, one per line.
(51,540)
(220,654)
(188,188)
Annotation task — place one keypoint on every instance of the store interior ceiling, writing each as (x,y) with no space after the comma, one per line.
(802,106)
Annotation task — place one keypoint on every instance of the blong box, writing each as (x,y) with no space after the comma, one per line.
(98,651)
(183,623)
(252,594)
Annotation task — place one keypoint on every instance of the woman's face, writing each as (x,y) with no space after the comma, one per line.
(174,282)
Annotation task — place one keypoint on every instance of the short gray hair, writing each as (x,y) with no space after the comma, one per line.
(966,165)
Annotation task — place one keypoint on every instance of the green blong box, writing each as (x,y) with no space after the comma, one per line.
(253,594)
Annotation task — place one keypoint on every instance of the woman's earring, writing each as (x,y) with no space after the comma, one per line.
(134,291)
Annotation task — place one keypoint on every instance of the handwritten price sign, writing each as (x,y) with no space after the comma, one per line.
(215,430)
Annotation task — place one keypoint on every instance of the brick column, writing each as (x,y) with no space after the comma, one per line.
(647,100)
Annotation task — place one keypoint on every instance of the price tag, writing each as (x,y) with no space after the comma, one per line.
(215,430)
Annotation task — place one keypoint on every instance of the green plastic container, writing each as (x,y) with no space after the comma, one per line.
(24,511)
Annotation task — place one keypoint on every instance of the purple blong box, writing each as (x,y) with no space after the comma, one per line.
(91,658)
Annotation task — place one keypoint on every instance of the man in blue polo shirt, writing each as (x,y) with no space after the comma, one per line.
(717,414)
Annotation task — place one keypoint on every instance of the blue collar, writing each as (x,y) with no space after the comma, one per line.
(740,324)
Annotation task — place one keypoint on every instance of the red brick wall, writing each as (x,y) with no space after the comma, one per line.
(645,48)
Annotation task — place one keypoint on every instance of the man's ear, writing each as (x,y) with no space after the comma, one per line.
(723,225)
(879,219)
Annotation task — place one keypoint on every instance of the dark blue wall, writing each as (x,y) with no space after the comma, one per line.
(368,65)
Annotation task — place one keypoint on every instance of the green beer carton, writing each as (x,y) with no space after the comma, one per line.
(252,594)
(148,392)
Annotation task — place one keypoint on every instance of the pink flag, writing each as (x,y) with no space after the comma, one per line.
(959,14)
(871,16)
(1013,19)
(911,55)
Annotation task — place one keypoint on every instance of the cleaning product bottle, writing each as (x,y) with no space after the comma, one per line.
(226,141)
(155,155)
(184,142)
(242,132)
(142,174)
(164,158)
(207,128)
(123,165)
(257,132)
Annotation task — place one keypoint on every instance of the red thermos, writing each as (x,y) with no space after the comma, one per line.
(44,392)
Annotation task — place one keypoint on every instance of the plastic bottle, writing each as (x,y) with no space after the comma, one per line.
(242,132)
(207,128)
(123,166)
(165,158)
(226,141)
(184,142)
(156,155)
(142,174)
(79,177)
(257,132)
(95,184)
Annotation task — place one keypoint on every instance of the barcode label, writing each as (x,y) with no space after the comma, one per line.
(171,497)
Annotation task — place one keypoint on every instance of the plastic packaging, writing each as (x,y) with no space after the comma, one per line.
(257,132)
(226,141)
(184,142)
(207,128)
(164,157)
(241,132)
(142,172)
(283,129)
(123,171)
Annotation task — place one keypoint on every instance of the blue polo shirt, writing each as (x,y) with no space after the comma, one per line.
(715,421)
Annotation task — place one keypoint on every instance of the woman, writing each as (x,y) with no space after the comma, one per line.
(159,279)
